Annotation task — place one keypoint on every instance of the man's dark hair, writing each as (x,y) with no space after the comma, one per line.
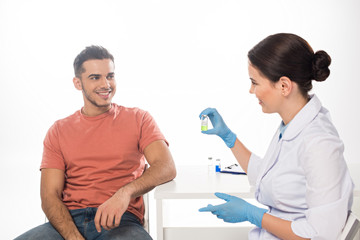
(91,52)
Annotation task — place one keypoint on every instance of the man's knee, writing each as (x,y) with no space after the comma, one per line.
(45,231)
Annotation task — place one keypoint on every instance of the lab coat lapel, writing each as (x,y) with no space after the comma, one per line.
(302,119)
(270,159)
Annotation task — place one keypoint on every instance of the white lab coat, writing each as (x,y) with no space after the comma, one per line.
(303,177)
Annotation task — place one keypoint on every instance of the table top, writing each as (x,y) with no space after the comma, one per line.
(196,182)
(354,169)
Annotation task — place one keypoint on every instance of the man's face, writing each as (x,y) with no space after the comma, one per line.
(98,85)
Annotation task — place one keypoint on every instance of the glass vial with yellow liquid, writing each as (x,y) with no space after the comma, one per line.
(204,122)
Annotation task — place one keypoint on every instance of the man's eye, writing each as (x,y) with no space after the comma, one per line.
(94,78)
(110,77)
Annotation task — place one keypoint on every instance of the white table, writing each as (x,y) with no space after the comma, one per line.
(195,182)
(354,169)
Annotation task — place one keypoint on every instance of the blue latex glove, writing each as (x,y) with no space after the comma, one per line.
(220,127)
(236,210)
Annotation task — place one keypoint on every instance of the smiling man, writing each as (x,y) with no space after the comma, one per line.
(92,171)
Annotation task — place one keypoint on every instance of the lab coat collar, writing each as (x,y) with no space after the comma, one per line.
(303,118)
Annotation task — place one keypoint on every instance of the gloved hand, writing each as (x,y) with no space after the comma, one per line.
(236,210)
(220,127)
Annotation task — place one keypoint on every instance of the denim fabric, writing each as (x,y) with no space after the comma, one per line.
(130,228)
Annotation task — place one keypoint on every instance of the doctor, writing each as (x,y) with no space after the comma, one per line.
(303,178)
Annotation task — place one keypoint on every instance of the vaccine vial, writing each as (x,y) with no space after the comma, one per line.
(204,122)
(217,165)
(210,165)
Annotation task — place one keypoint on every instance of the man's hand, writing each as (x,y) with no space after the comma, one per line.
(110,212)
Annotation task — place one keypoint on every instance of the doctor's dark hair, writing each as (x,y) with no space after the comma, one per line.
(289,55)
(89,53)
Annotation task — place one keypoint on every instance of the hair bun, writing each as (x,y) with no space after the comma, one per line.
(320,66)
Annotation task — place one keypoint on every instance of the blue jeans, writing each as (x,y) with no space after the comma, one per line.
(130,228)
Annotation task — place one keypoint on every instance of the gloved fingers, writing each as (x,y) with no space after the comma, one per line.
(206,111)
(220,217)
(210,131)
(230,220)
(208,208)
(216,210)
(220,209)
(203,112)
(224,196)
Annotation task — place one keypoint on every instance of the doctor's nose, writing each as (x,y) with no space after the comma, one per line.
(252,89)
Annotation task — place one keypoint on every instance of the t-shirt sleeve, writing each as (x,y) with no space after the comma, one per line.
(52,155)
(149,132)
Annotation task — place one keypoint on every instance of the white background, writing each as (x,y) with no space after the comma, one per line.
(173,58)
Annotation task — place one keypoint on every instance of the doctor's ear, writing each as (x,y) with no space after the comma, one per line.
(285,85)
(77,83)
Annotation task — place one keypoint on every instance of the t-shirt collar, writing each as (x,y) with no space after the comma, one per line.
(101,116)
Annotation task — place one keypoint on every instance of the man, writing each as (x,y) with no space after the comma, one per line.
(92,171)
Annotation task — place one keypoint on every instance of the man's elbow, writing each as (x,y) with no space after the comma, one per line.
(169,172)
(172,173)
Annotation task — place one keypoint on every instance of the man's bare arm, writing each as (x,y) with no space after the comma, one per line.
(52,184)
(161,170)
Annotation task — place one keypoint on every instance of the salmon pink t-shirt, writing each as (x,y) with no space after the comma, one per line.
(100,154)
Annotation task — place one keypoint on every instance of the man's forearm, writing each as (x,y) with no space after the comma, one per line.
(162,169)
(60,218)
(108,215)
(155,175)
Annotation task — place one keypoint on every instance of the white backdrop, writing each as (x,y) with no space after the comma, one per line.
(173,58)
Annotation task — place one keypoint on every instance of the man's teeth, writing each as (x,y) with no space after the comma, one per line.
(103,93)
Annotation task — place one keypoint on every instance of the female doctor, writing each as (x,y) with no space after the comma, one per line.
(303,178)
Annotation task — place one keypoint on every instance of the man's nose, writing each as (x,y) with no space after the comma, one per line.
(105,83)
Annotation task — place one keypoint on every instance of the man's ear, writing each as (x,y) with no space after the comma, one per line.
(286,86)
(77,83)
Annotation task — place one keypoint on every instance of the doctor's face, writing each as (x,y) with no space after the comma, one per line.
(266,91)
